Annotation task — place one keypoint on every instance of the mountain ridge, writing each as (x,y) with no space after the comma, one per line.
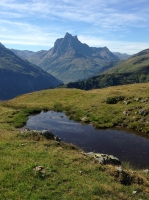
(133,70)
(70,60)
(138,61)
(18,76)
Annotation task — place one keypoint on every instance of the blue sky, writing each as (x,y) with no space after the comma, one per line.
(122,26)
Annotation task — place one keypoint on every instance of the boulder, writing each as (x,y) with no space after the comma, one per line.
(146,171)
(144,100)
(85,119)
(126,102)
(45,133)
(143,112)
(126,113)
(104,158)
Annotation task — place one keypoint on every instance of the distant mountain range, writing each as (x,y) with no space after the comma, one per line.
(133,70)
(70,60)
(18,76)
(121,56)
(137,62)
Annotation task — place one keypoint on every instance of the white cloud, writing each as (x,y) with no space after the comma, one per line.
(26,34)
(41,22)
(95,12)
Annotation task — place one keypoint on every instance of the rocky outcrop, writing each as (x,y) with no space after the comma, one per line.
(45,133)
(104,158)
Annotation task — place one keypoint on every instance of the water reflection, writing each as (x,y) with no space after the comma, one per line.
(126,146)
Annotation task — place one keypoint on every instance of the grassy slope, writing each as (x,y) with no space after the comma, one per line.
(68,173)
(139,61)
(70,68)
(133,70)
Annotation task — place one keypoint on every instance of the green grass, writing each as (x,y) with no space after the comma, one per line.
(67,172)
(109,107)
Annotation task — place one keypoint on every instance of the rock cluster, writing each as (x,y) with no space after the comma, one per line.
(45,133)
(104,158)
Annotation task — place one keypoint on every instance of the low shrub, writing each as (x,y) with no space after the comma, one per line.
(58,107)
(114,100)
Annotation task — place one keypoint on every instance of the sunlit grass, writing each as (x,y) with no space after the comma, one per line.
(68,173)
(94,104)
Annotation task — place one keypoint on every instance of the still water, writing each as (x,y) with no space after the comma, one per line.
(124,145)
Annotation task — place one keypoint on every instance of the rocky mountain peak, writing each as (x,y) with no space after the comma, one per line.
(2,46)
(69,45)
(69,36)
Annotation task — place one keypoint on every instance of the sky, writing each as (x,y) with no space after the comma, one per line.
(122,26)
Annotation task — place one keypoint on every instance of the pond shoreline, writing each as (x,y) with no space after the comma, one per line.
(109,141)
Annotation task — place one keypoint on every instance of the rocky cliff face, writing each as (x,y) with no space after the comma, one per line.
(70,45)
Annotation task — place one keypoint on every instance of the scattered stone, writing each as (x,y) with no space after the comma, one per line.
(137,99)
(143,112)
(90,154)
(133,172)
(25,130)
(47,134)
(144,100)
(80,172)
(146,170)
(104,158)
(40,169)
(126,102)
(85,119)
(125,113)
(119,169)
(126,178)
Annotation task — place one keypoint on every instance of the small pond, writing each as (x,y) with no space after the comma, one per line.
(124,145)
